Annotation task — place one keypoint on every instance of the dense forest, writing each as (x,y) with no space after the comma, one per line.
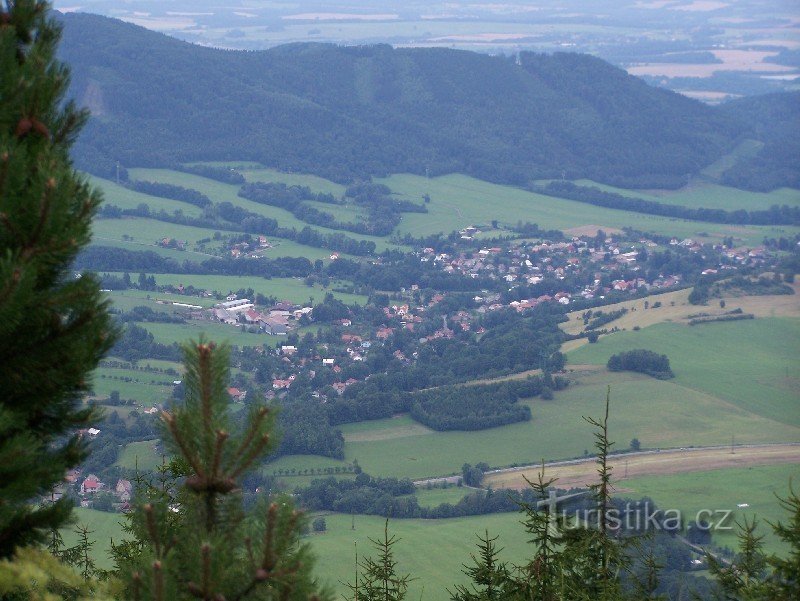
(350,112)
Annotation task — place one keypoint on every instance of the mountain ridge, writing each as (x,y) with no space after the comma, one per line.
(349,112)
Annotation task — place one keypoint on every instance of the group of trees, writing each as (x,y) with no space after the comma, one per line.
(642,361)
(475,407)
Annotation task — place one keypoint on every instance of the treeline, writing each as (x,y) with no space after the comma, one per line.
(99,258)
(475,407)
(775,215)
(305,430)
(390,497)
(727,317)
(739,285)
(599,318)
(221,174)
(136,343)
(642,361)
(180,193)
(383,212)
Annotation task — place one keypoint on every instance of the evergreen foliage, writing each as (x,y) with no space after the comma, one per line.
(197,541)
(54,325)
(377,578)
(488,574)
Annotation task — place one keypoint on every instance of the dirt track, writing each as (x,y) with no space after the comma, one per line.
(583,473)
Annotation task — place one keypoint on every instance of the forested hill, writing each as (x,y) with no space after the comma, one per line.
(343,112)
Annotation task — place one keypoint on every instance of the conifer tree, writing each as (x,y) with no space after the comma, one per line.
(378,579)
(787,570)
(197,542)
(488,574)
(54,326)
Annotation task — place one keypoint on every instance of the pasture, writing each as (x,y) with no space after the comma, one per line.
(125,198)
(458,201)
(143,386)
(419,550)
(659,413)
(221,192)
(103,526)
(708,195)
(145,455)
(763,380)
(723,489)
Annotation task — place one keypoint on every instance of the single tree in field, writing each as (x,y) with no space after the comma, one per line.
(54,325)
(197,542)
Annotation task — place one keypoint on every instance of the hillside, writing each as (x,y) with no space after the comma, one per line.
(343,112)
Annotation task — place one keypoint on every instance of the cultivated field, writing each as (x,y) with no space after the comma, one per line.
(661,463)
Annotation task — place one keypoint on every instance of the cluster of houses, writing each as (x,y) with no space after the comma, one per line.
(88,486)
(276,321)
(253,248)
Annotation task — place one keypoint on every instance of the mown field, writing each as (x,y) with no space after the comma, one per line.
(750,364)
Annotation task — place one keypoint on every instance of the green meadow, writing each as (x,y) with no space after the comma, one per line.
(140,246)
(750,364)
(142,386)
(459,200)
(291,289)
(419,550)
(125,198)
(659,413)
(142,455)
(723,489)
(221,192)
(709,195)
(103,527)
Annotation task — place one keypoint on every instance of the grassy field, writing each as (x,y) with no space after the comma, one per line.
(125,198)
(459,200)
(104,527)
(659,413)
(764,379)
(157,301)
(432,497)
(141,386)
(148,231)
(317,184)
(723,489)
(140,454)
(709,195)
(432,550)
(291,289)
(167,333)
(221,192)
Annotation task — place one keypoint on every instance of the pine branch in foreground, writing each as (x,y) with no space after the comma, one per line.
(54,324)
(197,542)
